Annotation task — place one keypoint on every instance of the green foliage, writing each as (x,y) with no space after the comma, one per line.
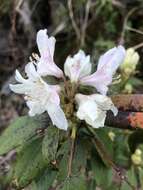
(122,151)
(74,183)
(29,163)
(43,159)
(51,140)
(99,169)
(18,133)
(45,181)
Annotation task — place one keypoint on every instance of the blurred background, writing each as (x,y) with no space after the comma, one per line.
(92,25)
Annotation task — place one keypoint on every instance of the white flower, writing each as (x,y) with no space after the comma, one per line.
(77,66)
(107,66)
(46,46)
(93,108)
(40,96)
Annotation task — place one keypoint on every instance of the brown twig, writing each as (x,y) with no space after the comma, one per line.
(134,30)
(138,46)
(84,26)
(133,102)
(125,120)
(71,15)
(125,24)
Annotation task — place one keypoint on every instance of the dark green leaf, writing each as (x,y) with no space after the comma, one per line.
(101,173)
(20,131)
(121,150)
(131,177)
(46,180)
(29,163)
(74,183)
(50,144)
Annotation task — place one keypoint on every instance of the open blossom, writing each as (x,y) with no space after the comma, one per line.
(46,46)
(93,108)
(107,66)
(40,96)
(77,66)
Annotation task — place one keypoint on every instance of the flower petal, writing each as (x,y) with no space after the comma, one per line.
(77,66)
(93,108)
(108,64)
(112,59)
(19,77)
(46,46)
(31,72)
(35,108)
(20,88)
(57,116)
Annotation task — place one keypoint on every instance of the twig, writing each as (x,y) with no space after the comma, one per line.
(125,23)
(128,102)
(134,30)
(138,46)
(71,15)
(83,31)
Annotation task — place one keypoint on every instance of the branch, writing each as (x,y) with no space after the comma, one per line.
(75,27)
(83,31)
(130,115)
(125,120)
(133,102)
(125,24)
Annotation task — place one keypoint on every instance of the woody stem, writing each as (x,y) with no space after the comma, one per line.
(73,137)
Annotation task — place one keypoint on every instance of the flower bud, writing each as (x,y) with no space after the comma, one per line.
(111,135)
(131,60)
(138,152)
(128,88)
(136,157)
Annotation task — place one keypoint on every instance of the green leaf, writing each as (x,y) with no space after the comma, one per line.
(46,180)
(29,163)
(19,132)
(50,144)
(73,183)
(103,144)
(78,162)
(131,179)
(101,173)
(121,150)
(80,155)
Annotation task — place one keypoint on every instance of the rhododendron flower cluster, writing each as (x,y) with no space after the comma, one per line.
(41,96)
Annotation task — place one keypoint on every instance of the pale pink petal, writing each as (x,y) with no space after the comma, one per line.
(45,67)
(108,64)
(77,66)
(46,46)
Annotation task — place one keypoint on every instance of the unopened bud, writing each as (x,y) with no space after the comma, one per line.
(128,88)
(136,157)
(131,60)
(138,152)
(111,135)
